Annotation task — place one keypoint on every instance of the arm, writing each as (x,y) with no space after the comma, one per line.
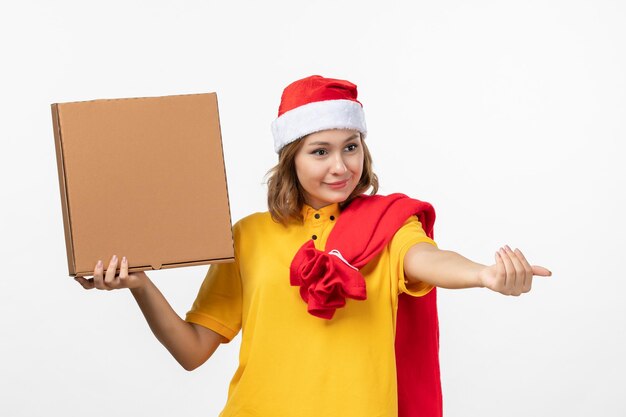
(510,275)
(190,344)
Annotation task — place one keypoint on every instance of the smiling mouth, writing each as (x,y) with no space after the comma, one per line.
(338,183)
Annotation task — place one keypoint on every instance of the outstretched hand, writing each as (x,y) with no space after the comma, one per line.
(110,280)
(511,274)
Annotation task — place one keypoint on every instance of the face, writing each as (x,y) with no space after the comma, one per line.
(329,165)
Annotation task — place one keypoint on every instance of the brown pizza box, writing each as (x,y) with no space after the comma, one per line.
(143,178)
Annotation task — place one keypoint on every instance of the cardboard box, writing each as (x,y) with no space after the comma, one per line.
(143,178)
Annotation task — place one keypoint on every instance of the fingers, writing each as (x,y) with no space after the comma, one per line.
(528,271)
(517,276)
(110,280)
(523,274)
(125,280)
(514,273)
(541,271)
(509,276)
(124,269)
(98,280)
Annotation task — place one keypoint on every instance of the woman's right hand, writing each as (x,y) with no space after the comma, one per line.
(110,281)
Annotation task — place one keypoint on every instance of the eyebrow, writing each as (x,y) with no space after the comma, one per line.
(317,143)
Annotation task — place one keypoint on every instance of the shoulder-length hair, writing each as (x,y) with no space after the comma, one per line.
(285,197)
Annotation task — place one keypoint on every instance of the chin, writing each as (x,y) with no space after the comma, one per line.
(327,197)
(339,197)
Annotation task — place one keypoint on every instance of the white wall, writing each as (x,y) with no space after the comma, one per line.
(507,116)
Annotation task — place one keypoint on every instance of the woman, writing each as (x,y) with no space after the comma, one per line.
(327,347)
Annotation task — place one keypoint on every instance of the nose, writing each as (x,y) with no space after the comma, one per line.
(338,166)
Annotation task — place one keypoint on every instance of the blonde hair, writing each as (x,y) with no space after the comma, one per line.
(285,196)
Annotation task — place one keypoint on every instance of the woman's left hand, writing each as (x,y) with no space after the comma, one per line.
(511,274)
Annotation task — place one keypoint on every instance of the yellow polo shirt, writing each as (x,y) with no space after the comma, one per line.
(292,363)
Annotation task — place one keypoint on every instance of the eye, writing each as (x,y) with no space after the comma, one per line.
(352,147)
(319,152)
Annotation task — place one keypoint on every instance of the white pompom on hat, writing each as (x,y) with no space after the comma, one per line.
(316,103)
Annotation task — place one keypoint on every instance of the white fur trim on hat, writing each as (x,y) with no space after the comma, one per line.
(317,116)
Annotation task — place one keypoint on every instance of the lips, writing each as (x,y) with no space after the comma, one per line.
(338,184)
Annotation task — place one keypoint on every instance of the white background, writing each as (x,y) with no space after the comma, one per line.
(509,117)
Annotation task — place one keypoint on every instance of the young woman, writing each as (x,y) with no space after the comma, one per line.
(319,280)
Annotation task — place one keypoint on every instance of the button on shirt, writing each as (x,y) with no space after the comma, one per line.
(291,362)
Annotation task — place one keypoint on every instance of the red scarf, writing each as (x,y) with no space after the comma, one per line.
(326,278)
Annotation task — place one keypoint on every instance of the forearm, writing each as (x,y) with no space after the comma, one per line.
(177,335)
(442,268)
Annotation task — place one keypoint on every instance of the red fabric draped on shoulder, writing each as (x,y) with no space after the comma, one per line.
(326,278)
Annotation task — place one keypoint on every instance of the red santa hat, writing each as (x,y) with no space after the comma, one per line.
(316,103)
